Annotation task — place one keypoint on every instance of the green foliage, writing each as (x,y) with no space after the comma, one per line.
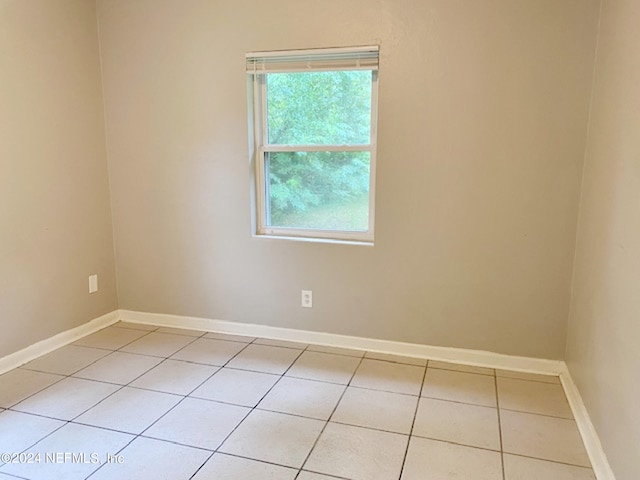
(317,108)
(299,180)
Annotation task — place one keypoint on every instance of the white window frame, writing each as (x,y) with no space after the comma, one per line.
(296,61)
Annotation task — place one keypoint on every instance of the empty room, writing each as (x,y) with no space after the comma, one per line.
(319,240)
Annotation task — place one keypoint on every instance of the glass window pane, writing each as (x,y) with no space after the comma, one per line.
(319,108)
(318,190)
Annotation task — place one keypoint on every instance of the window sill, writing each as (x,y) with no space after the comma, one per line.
(365,243)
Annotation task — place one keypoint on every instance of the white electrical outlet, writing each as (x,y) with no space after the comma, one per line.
(93,283)
(307,298)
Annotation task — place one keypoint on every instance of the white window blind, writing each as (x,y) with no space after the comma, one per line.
(327,59)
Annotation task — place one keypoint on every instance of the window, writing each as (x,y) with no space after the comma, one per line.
(314,129)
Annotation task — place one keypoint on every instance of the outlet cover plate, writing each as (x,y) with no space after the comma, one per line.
(307,299)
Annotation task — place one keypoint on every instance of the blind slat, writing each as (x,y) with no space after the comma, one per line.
(358,58)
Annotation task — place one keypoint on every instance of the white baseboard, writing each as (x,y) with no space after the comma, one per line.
(478,358)
(448,354)
(60,340)
(592,444)
(457,355)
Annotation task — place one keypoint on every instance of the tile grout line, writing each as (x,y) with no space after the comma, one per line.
(122,386)
(499,427)
(64,423)
(415,415)
(558,384)
(463,372)
(270,411)
(139,435)
(117,453)
(531,380)
(364,352)
(331,415)
(336,477)
(174,442)
(125,385)
(214,452)
(235,455)
(306,348)
(164,357)
(295,348)
(310,418)
(549,461)
(458,401)
(9,475)
(64,377)
(251,409)
(134,436)
(538,414)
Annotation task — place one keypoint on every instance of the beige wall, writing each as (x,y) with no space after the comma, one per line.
(55,219)
(482,122)
(603,348)
(483,114)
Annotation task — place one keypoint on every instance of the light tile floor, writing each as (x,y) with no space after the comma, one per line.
(140,402)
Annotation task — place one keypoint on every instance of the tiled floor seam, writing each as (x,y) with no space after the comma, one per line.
(66,422)
(485,449)
(415,415)
(121,346)
(287,466)
(333,411)
(35,393)
(193,390)
(550,461)
(121,385)
(539,414)
(205,332)
(504,475)
(532,379)
(251,409)
(322,474)
(72,420)
(255,407)
(458,401)
(165,357)
(8,475)
(335,353)
(253,460)
(73,375)
(359,387)
(136,436)
(35,443)
(24,366)
(217,450)
(117,453)
(202,466)
(463,371)
(248,370)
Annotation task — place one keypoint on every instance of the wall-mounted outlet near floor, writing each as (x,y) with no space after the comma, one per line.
(307,298)
(93,283)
